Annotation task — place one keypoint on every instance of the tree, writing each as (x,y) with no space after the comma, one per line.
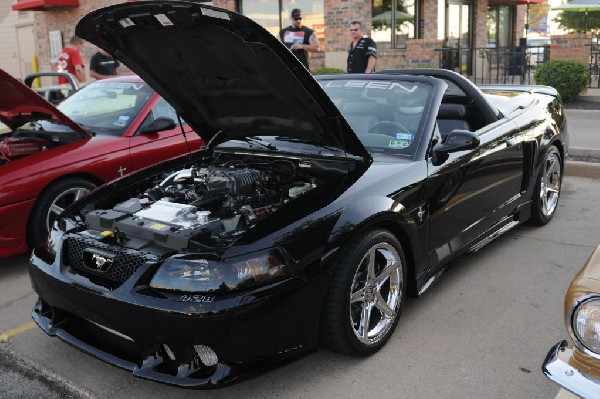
(575,21)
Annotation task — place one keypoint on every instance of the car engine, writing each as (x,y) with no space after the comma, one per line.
(12,148)
(202,207)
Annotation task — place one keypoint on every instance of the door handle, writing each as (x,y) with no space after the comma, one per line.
(511,142)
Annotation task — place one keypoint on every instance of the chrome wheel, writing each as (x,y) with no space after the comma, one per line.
(376,293)
(550,185)
(63,200)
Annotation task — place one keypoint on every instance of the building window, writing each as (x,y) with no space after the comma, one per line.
(394,22)
(499,26)
(275,15)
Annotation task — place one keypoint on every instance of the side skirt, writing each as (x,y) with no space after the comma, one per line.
(504,225)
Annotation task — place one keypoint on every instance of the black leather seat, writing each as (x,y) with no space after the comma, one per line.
(451,117)
(360,116)
(55,96)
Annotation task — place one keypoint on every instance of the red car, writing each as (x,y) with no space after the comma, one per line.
(51,156)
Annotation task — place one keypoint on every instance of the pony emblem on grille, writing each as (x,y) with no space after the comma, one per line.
(97,259)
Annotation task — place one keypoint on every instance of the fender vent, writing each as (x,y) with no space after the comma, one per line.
(530,149)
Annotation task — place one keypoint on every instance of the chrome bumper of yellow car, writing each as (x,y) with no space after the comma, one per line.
(556,367)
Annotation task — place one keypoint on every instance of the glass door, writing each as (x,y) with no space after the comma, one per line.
(458,36)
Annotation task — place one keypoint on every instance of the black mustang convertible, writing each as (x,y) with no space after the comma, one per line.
(314,209)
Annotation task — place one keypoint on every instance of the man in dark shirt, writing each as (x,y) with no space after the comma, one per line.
(299,39)
(362,52)
(103,65)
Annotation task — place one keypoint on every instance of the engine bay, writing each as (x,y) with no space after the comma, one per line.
(12,148)
(33,138)
(202,207)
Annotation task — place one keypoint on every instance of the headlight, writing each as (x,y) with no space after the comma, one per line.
(191,274)
(586,324)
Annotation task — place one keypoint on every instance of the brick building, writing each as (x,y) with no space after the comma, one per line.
(16,40)
(408,32)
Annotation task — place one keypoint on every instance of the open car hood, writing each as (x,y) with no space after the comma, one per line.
(225,75)
(19,105)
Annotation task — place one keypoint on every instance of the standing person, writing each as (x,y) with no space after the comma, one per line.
(103,65)
(298,38)
(362,52)
(69,60)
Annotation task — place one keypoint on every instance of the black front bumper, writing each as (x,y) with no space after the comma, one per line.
(155,338)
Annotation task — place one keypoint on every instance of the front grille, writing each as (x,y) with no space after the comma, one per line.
(124,264)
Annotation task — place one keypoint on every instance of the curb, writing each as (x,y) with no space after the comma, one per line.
(590,170)
(60,385)
(583,152)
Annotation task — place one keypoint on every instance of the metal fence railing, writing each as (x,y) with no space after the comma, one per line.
(496,65)
(594,64)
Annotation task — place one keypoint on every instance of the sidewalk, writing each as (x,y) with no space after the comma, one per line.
(589,100)
(583,121)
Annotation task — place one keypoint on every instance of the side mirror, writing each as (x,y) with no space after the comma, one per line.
(159,124)
(456,140)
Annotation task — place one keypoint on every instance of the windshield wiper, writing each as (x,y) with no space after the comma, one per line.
(297,140)
(253,140)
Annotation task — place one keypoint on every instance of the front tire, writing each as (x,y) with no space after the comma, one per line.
(366,295)
(547,188)
(53,200)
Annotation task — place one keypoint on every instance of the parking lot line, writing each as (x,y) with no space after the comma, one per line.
(564,394)
(16,331)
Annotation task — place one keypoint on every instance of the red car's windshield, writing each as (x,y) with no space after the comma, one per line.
(107,107)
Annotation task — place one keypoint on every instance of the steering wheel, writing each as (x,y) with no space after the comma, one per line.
(388,128)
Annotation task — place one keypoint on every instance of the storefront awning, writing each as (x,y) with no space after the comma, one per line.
(42,5)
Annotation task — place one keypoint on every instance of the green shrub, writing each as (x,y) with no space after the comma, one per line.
(328,71)
(568,77)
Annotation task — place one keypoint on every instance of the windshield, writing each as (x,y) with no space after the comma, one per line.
(107,107)
(387,116)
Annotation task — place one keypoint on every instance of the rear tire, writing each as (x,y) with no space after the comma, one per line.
(53,200)
(366,295)
(547,188)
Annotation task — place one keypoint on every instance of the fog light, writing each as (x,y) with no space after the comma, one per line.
(207,356)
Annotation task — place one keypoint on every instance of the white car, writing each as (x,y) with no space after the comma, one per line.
(538,50)
(54,93)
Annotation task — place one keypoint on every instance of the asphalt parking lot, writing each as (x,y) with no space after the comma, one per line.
(481,332)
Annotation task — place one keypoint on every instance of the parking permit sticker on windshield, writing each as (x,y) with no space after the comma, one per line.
(122,121)
(401,140)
